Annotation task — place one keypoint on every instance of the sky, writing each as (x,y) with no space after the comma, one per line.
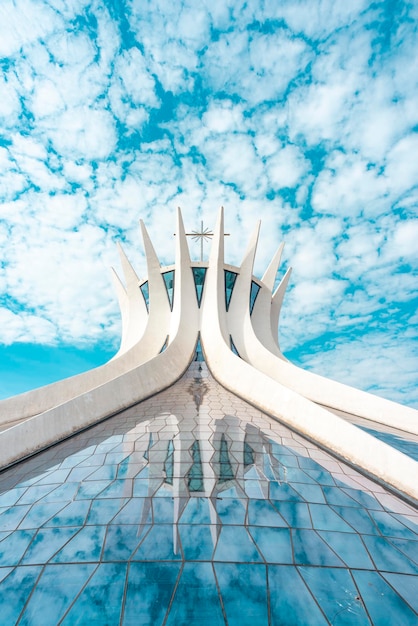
(303,114)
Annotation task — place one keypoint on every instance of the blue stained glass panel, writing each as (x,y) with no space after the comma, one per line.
(145,292)
(199,275)
(230,278)
(233,346)
(253,294)
(169,285)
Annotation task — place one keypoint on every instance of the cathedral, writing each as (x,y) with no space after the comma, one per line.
(199,477)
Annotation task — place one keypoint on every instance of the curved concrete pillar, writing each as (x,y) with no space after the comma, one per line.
(126,388)
(132,305)
(254,386)
(323,391)
(149,344)
(261,316)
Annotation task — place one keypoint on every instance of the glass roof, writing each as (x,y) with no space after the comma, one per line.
(195,508)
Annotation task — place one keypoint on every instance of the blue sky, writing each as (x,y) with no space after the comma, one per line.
(303,114)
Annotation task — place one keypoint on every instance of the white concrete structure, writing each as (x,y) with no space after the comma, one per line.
(235,316)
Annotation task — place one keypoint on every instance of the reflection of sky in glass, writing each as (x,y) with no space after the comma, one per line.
(195,508)
(409,448)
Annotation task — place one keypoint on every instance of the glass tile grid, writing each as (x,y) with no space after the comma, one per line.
(194,507)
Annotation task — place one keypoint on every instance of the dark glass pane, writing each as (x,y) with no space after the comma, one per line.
(253,294)
(199,352)
(225,468)
(169,463)
(199,274)
(233,346)
(195,474)
(165,344)
(145,292)
(169,285)
(230,278)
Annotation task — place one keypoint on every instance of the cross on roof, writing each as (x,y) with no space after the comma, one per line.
(204,234)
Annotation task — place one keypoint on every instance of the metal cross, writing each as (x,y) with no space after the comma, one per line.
(204,234)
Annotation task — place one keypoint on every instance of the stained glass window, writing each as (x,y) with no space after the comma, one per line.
(230,278)
(145,292)
(199,274)
(253,294)
(233,347)
(169,285)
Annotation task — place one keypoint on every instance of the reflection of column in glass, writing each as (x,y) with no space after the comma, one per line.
(182,461)
(198,389)
(254,451)
(163,429)
(194,476)
(260,453)
(227,461)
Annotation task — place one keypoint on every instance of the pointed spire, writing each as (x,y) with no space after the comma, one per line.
(276,305)
(120,289)
(131,279)
(182,248)
(282,286)
(270,274)
(155,280)
(152,259)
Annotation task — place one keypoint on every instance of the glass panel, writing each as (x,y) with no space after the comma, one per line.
(66,581)
(149,591)
(381,601)
(409,448)
(230,278)
(199,274)
(196,600)
(145,292)
(233,347)
(199,352)
(169,285)
(336,594)
(244,593)
(101,600)
(253,294)
(165,344)
(296,602)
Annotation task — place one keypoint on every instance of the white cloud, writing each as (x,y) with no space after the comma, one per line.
(84,133)
(286,167)
(22,22)
(223,116)
(23,327)
(350,186)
